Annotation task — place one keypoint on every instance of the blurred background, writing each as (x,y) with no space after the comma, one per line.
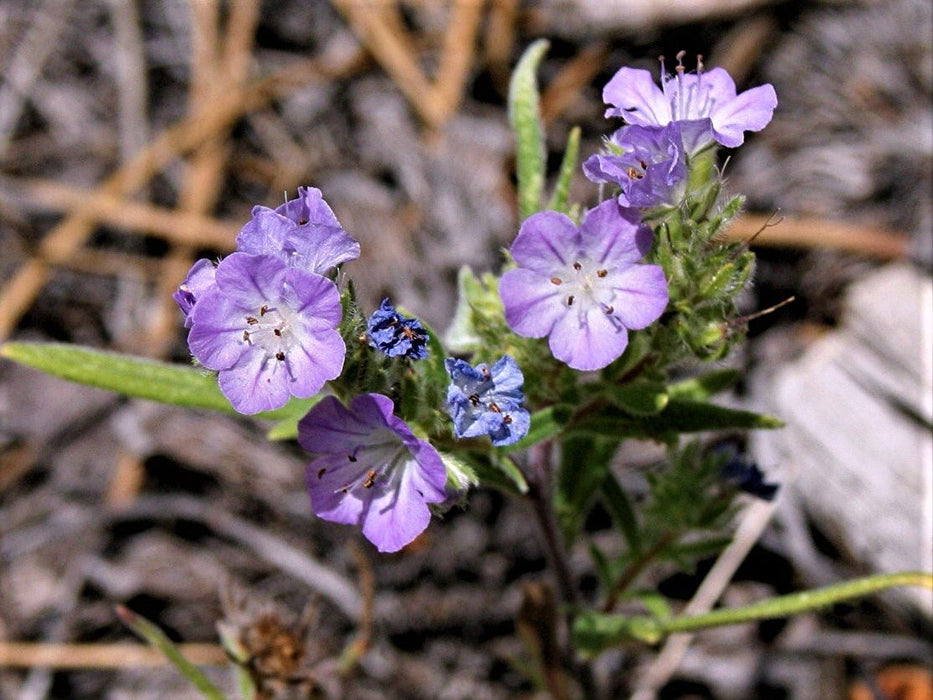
(136,135)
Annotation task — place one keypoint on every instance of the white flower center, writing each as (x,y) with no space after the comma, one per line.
(586,287)
(270,329)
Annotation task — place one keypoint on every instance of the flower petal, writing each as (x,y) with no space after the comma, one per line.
(256,383)
(587,341)
(533,304)
(545,241)
(640,295)
(613,235)
(750,111)
(635,97)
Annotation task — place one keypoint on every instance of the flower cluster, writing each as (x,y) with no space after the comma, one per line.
(266,317)
(648,159)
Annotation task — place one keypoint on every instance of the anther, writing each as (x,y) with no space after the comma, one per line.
(252,320)
(321,472)
(302,221)
(570,300)
(507,419)
(277,332)
(280,356)
(609,310)
(370,479)
(577,266)
(474,399)
(264,309)
(485,371)
(246,336)
(494,407)
(602,273)
(351,458)
(556,280)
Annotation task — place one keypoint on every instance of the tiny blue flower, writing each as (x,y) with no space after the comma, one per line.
(397,335)
(746,476)
(484,401)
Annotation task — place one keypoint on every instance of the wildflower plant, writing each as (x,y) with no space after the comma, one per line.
(603,324)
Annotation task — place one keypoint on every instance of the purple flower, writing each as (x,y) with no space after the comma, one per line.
(581,287)
(705,104)
(646,162)
(303,232)
(371,470)
(484,401)
(395,334)
(269,330)
(200,278)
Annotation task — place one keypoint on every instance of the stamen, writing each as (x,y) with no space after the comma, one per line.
(321,472)
(351,458)
(370,479)
(507,419)
(494,408)
(252,320)
(570,300)
(280,356)
(474,399)
(486,374)
(264,309)
(602,273)
(609,310)
(302,221)
(577,266)
(246,336)
(556,280)
(277,332)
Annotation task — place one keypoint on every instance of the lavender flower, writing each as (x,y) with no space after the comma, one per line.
(303,232)
(200,278)
(484,401)
(705,104)
(646,162)
(371,470)
(395,334)
(581,287)
(269,330)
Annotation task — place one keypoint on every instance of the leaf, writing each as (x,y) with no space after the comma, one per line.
(501,473)
(525,119)
(157,640)
(175,385)
(705,386)
(593,631)
(568,167)
(679,416)
(640,398)
(287,428)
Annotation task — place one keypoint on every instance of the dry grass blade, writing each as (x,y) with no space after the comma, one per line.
(96,656)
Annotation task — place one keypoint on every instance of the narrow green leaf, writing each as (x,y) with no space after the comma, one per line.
(157,640)
(640,398)
(287,428)
(525,119)
(568,167)
(176,385)
(502,473)
(704,387)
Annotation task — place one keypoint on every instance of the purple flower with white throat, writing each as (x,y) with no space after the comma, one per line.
(648,164)
(303,232)
(487,401)
(269,330)
(200,278)
(582,286)
(397,335)
(704,103)
(370,470)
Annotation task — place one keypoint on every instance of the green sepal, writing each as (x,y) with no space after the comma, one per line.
(525,119)
(140,378)
(594,632)
(568,167)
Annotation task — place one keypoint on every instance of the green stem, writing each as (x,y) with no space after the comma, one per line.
(795,603)
(595,631)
